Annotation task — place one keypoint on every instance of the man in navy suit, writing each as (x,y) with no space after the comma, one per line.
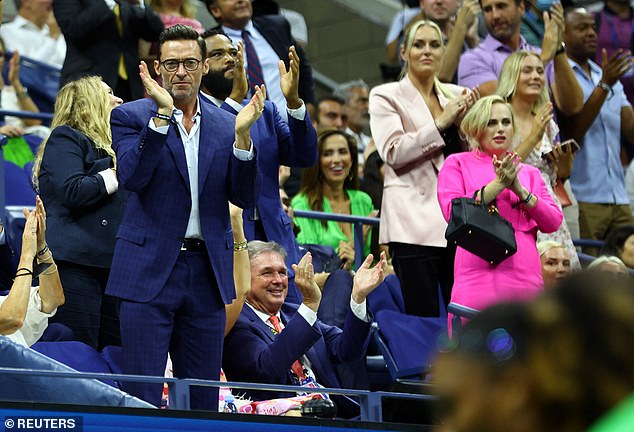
(271,38)
(277,143)
(173,258)
(280,343)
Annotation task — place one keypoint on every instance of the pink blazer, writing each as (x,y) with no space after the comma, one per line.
(409,143)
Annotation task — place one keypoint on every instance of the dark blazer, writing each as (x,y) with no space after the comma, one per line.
(152,166)
(277,32)
(278,143)
(81,218)
(252,353)
(94,45)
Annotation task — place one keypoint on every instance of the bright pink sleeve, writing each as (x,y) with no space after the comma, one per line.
(450,185)
(546,213)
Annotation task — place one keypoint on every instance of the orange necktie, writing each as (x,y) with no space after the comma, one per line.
(296,367)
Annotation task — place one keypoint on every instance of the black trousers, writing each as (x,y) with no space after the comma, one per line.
(92,316)
(421,270)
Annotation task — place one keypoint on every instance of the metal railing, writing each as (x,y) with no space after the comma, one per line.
(27,114)
(356,221)
(179,389)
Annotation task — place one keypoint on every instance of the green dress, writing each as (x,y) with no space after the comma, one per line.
(312,231)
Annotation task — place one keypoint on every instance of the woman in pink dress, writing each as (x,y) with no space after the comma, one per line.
(520,195)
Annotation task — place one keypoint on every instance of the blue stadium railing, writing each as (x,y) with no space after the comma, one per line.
(356,221)
(179,389)
(27,114)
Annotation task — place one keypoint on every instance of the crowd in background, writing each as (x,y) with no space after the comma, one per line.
(163,131)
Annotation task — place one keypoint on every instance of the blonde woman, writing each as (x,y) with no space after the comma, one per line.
(523,84)
(75,174)
(414,124)
(520,195)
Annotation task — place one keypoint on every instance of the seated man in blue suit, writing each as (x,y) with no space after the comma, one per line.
(181,161)
(281,343)
(277,143)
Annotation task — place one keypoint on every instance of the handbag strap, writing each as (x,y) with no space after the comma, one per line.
(491,204)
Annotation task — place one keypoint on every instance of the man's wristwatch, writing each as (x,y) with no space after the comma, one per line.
(561,49)
(603,86)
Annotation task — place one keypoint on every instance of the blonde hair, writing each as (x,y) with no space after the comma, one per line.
(84,105)
(475,121)
(597,262)
(546,245)
(187,8)
(507,85)
(407,46)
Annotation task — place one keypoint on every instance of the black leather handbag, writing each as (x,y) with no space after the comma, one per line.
(480,229)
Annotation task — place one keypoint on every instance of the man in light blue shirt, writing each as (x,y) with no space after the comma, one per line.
(597,175)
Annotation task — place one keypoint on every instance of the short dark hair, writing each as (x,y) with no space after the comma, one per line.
(215,31)
(328,98)
(616,239)
(517,2)
(181,32)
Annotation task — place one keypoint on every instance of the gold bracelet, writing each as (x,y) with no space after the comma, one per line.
(240,246)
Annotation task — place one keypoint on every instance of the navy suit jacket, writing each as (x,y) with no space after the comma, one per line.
(278,143)
(253,353)
(81,217)
(94,44)
(152,166)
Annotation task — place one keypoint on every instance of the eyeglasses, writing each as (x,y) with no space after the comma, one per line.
(190,64)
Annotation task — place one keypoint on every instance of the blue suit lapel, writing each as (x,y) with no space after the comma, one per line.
(175,145)
(206,147)
(260,326)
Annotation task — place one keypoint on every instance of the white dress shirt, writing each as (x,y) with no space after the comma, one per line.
(35,321)
(31,41)
(191,143)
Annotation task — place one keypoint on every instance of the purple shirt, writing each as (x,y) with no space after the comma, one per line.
(484,62)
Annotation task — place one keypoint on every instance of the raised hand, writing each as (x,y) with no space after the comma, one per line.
(29,236)
(554,25)
(366,279)
(40,213)
(456,108)
(163,99)
(614,67)
(14,68)
(251,112)
(507,168)
(240,86)
(289,79)
(305,281)
(541,121)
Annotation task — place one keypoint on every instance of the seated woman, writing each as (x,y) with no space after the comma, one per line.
(555,261)
(523,85)
(520,195)
(332,186)
(609,264)
(24,312)
(620,243)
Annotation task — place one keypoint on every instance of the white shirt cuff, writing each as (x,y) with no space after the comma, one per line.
(3,238)
(243,155)
(110,3)
(298,113)
(233,104)
(359,310)
(160,129)
(308,314)
(110,180)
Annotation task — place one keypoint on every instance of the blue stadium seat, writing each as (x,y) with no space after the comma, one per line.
(17,187)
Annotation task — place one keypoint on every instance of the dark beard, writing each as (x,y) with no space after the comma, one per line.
(217,84)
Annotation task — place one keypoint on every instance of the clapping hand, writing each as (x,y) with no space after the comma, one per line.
(240,85)
(366,279)
(554,25)
(163,99)
(507,168)
(615,66)
(456,108)
(346,254)
(289,79)
(29,236)
(305,281)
